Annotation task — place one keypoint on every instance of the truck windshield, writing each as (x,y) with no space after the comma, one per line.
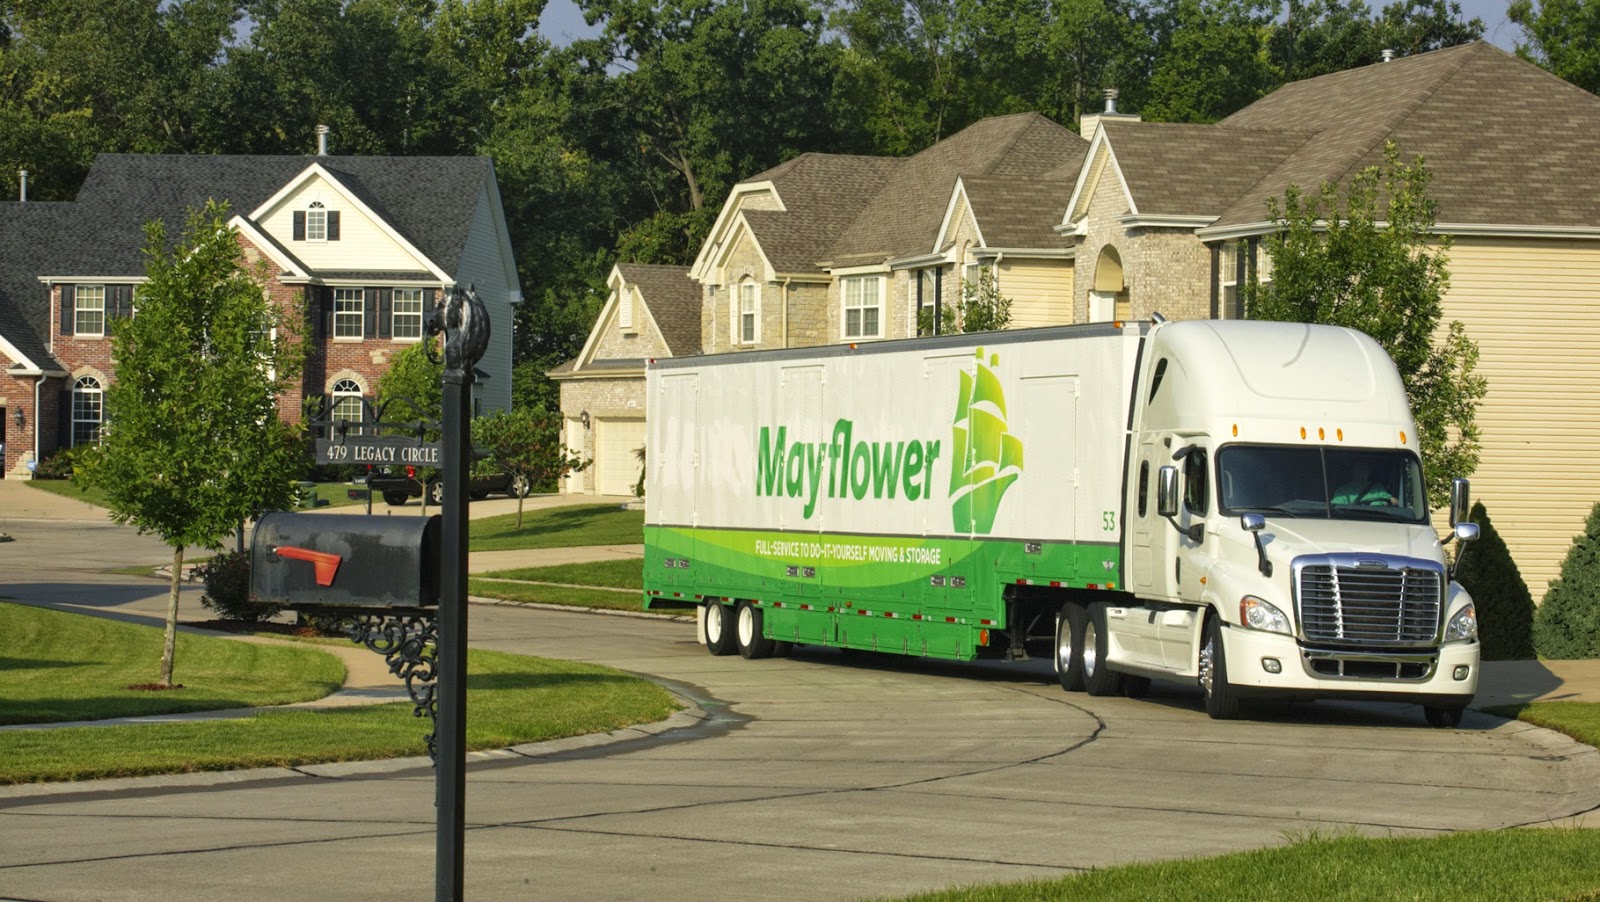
(1321,482)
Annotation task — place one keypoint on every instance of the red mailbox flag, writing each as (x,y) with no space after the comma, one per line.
(326,564)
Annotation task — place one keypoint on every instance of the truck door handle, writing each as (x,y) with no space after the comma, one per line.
(326,564)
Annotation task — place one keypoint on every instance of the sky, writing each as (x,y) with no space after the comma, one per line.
(562,22)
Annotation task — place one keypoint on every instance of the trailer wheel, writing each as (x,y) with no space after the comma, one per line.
(1069,646)
(752,644)
(719,629)
(1442,717)
(1221,703)
(1098,679)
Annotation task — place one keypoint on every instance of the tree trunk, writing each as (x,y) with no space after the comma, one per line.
(170,642)
(519,511)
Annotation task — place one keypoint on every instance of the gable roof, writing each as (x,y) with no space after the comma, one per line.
(124,191)
(1475,113)
(674,302)
(901,218)
(1015,213)
(821,195)
(30,234)
(1194,170)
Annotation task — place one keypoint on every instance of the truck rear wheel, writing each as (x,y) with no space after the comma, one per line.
(395,498)
(719,629)
(1221,703)
(752,644)
(1069,646)
(1098,679)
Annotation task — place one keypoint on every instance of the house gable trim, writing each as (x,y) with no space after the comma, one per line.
(727,219)
(957,195)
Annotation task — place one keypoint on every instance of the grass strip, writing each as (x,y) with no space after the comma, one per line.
(1501,865)
(559,527)
(561,595)
(64,667)
(69,488)
(513,699)
(1580,720)
(627,574)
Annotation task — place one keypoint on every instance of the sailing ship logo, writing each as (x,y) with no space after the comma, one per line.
(987,458)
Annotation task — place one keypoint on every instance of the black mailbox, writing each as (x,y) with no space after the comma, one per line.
(346,560)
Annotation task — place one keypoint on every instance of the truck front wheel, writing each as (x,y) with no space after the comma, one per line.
(1221,703)
(1442,717)
(1069,646)
(719,631)
(1098,679)
(752,644)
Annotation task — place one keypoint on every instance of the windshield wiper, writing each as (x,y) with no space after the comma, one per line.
(1261,509)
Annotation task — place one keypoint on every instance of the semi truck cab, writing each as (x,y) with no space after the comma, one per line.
(1278,541)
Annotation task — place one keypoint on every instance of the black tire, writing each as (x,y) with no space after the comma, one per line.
(748,627)
(1069,646)
(719,630)
(1447,718)
(520,487)
(435,492)
(1135,686)
(1098,679)
(395,498)
(1221,703)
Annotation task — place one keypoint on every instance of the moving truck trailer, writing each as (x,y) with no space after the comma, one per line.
(1234,504)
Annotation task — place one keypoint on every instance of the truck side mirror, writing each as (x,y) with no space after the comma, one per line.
(1167,492)
(1253,524)
(1460,501)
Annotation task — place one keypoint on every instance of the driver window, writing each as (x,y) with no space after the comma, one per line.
(1194,482)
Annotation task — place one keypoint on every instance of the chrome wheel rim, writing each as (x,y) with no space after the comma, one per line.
(1091,653)
(1207,665)
(1064,646)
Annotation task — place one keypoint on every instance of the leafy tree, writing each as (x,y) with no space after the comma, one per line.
(983,307)
(1363,257)
(1504,604)
(413,377)
(1561,37)
(1567,624)
(527,444)
(193,443)
(1210,60)
(1322,36)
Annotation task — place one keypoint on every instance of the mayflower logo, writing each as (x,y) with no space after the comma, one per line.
(988,458)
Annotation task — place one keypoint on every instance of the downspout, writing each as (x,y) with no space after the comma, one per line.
(36,386)
(783,311)
(938,300)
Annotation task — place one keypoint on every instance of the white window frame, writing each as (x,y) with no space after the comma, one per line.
(853,297)
(316,222)
(93,312)
(345,401)
(749,318)
(625,310)
(412,319)
(344,318)
(88,410)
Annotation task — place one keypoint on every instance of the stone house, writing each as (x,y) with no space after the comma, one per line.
(363,245)
(650,312)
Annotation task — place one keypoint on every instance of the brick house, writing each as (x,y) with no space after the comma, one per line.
(364,245)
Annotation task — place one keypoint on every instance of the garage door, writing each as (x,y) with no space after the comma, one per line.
(616,470)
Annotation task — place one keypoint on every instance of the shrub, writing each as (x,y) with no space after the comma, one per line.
(1505,606)
(227,579)
(56,466)
(1568,622)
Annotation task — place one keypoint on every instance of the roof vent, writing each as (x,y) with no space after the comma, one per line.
(1111,100)
(23,185)
(1088,123)
(1388,55)
(322,140)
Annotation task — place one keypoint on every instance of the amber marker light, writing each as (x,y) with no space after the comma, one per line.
(1302,432)
(983,637)
(1402,436)
(1339,433)
(1235,430)
(1321,433)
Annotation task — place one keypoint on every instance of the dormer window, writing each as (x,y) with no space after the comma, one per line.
(316,223)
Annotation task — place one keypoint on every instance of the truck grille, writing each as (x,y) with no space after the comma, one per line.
(1369,602)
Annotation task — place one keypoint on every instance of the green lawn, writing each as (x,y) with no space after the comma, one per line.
(513,699)
(562,595)
(560,527)
(627,574)
(63,667)
(1580,720)
(329,494)
(1492,865)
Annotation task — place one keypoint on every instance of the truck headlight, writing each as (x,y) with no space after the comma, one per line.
(1260,614)
(1464,625)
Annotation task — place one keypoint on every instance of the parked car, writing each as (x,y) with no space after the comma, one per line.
(398,486)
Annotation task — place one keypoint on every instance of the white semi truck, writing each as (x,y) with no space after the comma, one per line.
(1234,504)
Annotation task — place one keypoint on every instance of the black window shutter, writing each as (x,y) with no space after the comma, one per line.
(299,225)
(120,304)
(67,294)
(64,420)
(370,317)
(325,301)
(333,225)
(385,312)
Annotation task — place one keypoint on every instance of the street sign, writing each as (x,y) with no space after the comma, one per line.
(377,450)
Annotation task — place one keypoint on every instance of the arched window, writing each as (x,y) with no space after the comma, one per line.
(86,411)
(346,401)
(317,222)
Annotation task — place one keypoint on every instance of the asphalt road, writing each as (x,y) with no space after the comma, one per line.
(818,776)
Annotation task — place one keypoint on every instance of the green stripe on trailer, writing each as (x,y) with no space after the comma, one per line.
(935,596)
